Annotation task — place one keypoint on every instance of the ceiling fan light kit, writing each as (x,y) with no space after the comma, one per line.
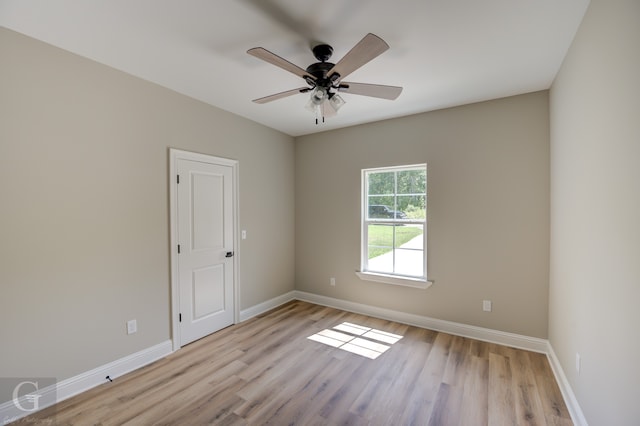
(324,79)
(323,104)
(336,101)
(318,95)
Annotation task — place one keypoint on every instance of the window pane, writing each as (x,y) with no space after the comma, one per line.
(409,262)
(409,252)
(408,256)
(413,206)
(381,182)
(380,240)
(409,236)
(381,207)
(412,181)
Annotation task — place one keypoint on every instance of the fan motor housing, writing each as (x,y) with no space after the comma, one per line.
(320,69)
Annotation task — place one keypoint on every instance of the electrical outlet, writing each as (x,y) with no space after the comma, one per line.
(332,282)
(578,363)
(132,326)
(486,305)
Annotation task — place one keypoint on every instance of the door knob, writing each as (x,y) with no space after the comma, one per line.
(229,254)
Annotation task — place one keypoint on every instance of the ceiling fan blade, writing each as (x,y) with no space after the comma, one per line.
(370,47)
(281,95)
(272,58)
(373,90)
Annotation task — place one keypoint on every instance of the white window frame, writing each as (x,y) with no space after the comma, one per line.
(389,278)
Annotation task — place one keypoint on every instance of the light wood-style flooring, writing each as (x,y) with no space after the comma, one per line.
(267,371)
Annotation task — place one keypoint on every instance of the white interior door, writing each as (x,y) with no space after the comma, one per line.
(205,238)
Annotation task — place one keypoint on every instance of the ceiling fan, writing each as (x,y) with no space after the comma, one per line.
(324,79)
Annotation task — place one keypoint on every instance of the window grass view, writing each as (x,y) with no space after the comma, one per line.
(382,237)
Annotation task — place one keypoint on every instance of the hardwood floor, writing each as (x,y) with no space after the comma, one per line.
(267,371)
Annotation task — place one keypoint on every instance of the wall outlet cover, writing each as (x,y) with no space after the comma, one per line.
(132,326)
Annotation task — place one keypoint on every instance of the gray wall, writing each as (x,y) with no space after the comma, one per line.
(595,213)
(488,211)
(84,224)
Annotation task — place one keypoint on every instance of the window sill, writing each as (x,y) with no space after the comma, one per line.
(395,280)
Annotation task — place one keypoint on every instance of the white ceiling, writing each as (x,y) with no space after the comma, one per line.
(443,52)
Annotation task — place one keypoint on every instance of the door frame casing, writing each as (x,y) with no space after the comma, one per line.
(174,156)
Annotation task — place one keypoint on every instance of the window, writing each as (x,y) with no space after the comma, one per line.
(394,220)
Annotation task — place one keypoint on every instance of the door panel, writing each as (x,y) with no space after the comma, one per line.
(207,224)
(205,234)
(208,285)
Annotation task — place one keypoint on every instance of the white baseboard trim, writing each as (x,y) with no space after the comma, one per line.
(565,388)
(479,333)
(10,411)
(266,306)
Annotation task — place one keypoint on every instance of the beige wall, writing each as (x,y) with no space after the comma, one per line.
(595,213)
(488,211)
(84,227)
(84,209)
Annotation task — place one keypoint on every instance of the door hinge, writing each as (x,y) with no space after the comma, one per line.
(178,248)
(179,317)
(177,178)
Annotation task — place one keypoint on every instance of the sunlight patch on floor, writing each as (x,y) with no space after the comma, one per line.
(364,341)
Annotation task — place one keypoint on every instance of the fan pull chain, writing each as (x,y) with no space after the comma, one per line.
(319,111)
